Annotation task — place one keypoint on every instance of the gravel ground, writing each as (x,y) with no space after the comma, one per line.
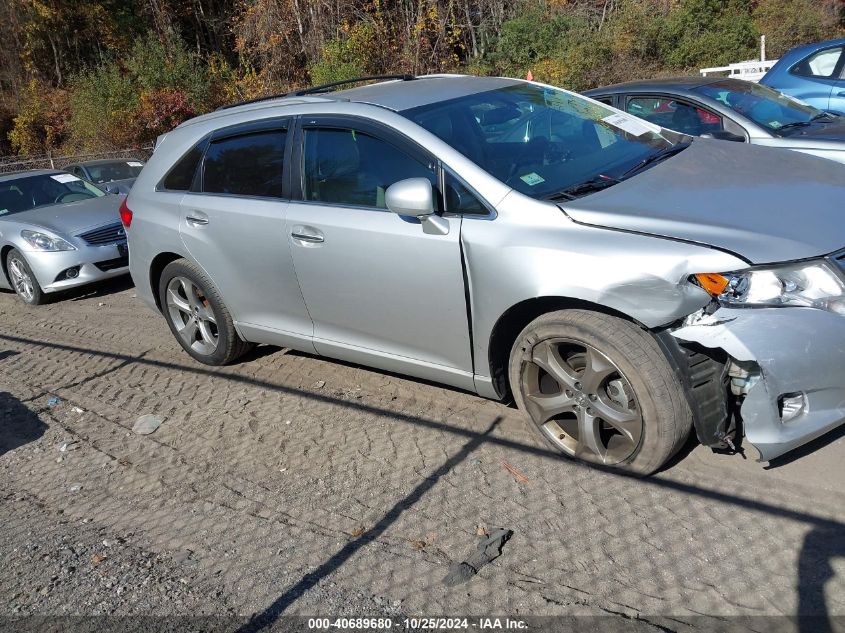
(289,485)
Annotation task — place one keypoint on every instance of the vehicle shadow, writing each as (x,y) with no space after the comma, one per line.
(821,545)
(280,604)
(99,289)
(810,447)
(19,425)
(823,542)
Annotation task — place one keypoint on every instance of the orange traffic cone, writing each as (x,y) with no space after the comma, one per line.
(529,76)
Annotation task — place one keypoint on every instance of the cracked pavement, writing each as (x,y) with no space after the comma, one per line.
(293,485)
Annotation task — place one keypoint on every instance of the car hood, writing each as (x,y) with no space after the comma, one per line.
(74,217)
(764,204)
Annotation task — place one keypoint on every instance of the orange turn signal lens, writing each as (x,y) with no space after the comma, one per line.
(713,283)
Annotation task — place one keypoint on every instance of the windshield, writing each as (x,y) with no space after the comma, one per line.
(117,170)
(31,192)
(766,107)
(541,140)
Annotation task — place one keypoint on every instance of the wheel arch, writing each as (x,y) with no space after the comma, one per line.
(157,266)
(513,321)
(4,252)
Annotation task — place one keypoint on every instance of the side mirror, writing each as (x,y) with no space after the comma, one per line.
(414,197)
(723,135)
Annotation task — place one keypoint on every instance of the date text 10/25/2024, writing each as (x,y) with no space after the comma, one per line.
(382,624)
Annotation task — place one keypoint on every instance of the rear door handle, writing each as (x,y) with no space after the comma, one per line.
(307,234)
(196,218)
(302,237)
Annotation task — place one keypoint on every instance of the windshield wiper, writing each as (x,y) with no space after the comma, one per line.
(588,186)
(650,160)
(795,124)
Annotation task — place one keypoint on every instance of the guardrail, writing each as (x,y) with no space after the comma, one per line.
(57,161)
(749,71)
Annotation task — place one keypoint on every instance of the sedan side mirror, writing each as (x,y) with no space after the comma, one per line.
(723,135)
(414,197)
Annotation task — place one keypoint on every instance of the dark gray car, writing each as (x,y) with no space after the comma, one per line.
(110,175)
(730,109)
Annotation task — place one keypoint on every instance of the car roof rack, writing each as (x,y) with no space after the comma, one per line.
(322,89)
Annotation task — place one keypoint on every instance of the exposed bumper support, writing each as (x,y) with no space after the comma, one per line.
(798,351)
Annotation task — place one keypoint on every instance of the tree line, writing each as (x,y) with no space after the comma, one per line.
(94,75)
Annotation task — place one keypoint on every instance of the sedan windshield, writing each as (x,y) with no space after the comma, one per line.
(543,141)
(31,192)
(766,107)
(117,170)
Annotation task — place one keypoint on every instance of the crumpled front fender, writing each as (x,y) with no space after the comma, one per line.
(798,350)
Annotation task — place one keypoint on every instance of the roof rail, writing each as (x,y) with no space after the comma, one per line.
(318,89)
(330,87)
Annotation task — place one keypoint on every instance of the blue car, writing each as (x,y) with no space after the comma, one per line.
(813,73)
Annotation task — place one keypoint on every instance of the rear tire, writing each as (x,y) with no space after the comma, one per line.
(197,315)
(599,389)
(23,280)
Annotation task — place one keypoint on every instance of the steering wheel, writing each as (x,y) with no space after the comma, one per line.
(536,145)
(83,195)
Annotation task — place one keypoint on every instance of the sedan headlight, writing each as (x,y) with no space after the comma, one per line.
(810,284)
(44,242)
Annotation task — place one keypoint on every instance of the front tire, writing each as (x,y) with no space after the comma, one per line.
(23,280)
(197,315)
(599,389)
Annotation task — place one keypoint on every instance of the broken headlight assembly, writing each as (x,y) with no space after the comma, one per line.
(809,284)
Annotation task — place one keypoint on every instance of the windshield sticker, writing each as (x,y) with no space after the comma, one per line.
(629,124)
(775,124)
(532,179)
(134,163)
(64,177)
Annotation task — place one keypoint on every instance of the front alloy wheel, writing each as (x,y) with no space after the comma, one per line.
(599,389)
(23,280)
(581,401)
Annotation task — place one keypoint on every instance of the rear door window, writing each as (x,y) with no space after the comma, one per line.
(245,165)
(674,115)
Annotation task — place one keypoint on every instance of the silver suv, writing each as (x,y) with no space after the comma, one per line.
(624,284)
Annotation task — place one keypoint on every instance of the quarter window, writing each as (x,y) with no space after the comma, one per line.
(674,115)
(819,64)
(181,175)
(246,165)
(344,166)
(459,198)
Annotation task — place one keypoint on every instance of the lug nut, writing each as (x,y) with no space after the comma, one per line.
(568,393)
(578,386)
(593,397)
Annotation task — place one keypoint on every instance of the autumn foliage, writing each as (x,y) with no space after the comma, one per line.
(97,75)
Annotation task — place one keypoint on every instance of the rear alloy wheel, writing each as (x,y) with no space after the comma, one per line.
(197,315)
(599,389)
(23,280)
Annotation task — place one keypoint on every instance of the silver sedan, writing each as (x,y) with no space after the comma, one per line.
(57,231)
(731,110)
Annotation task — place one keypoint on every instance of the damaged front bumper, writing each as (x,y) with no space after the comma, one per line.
(799,355)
